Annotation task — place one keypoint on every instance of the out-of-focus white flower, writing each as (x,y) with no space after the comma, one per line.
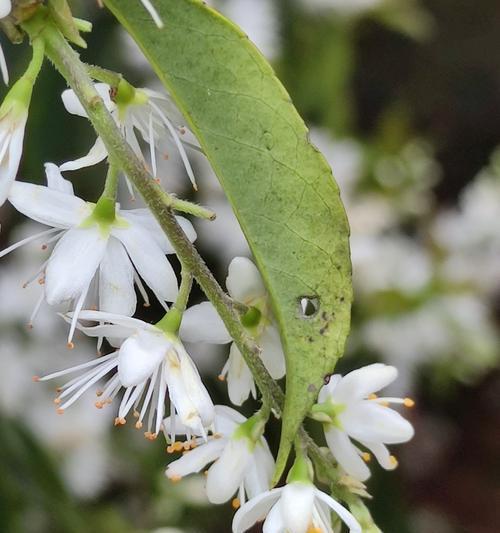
(343,7)
(259,19)
(298,507)
(389,262)
(350,409)
(468,236)
(455,327)
(97,243)
(80,442)
(150,361)
(152,113)
(241,457)
(201,323)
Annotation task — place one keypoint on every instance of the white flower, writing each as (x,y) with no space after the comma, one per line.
(5,8)
(13,117)
(152,113)
(14,114)
(350,409)
(243,461)
(201,323)
(149,362)
(99,247)
(298,507)
(148,6)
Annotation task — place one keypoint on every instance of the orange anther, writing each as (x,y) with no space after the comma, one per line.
(236,504)
(408,402)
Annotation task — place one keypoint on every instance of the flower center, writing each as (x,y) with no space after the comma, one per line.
(251,318)
(328,412)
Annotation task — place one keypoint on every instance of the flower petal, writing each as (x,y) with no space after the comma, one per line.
(239,378)
(258,476)
(97,153)
(145,218)
(48,206)
(73,263)
(55,180)
(202,323)
(187,392)
(149,260)
(272,352)
(382,455)
(197,392)
(11,155)
(116,281)
(346,453)
(296,505)
(364,381)
(196,459)
(254,510)
(227,419)
(244,282)
(73,105)
(328,389)
(274,522)
(226,474)
(105,330)
(341,511)
(133,324)
(140,355)
(368,421)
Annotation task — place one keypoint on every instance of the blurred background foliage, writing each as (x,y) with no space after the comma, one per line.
(403,98)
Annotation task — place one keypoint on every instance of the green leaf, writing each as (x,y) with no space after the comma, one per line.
(279,185)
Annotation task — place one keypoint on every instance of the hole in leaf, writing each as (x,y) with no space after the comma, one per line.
(308,306)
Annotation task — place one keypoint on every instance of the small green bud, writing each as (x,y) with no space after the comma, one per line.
(251,318)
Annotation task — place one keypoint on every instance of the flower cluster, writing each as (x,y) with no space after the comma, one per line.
(99,254)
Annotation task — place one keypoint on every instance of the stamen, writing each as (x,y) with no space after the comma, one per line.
(35,311)
(152,147)
(408,402)
(76,312)
(394,461)
(147,399)
(142,290)
(175,479)
(106,368)
(236,504)
(27,240)
(178,143)
(35,275)
(367,457)
(88,364)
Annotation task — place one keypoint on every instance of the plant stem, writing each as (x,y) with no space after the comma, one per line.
(184,290)
(187,207)
(111,185)
(103,74)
